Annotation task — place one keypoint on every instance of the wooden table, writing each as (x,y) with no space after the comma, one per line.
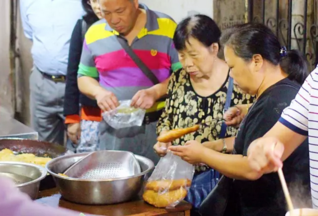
(133,208)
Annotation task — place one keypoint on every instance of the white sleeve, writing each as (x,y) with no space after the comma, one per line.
(25,23)
(295,117)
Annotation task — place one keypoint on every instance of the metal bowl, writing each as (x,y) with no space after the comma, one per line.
(26,176)
(86,191)
(303,212)
(38,148)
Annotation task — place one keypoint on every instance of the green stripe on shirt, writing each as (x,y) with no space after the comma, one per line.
(176,66)
(84,70)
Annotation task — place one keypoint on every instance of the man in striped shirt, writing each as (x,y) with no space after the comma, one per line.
(297,122)
(149,34)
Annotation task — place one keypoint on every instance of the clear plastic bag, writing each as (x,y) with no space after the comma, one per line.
(169,183)
(124,116)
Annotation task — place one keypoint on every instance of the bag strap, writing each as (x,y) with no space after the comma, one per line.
(227,106)
(137,60)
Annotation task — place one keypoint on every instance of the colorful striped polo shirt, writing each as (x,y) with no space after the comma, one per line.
(104,58)
(302,117)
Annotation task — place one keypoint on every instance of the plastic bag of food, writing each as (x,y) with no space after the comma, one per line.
(124,116)
(169,183)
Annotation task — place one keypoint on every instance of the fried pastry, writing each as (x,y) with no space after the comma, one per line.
(176,133)
(8,155)
(165,199)
(170,185)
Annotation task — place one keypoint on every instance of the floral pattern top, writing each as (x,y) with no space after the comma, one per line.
(185,108)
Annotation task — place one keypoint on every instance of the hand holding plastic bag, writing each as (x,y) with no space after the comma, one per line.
(169,183)
(124,116)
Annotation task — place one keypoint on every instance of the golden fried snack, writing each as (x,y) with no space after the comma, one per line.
(170,185)
(176,133)
(6,152)
(166,199)
(8,155)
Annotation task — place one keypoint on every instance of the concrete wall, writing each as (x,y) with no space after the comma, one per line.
(14,86)
(23,69)
(217,9)
(179,9)
(5,73)
(229,12)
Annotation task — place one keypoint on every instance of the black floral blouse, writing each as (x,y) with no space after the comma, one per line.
(185,108)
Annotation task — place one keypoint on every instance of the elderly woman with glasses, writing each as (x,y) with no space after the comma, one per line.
(198,94)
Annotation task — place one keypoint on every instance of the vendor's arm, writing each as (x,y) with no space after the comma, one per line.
(233,166)
(260,119)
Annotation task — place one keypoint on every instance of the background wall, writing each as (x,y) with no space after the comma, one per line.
(6,87)
(23,70)
(179,9)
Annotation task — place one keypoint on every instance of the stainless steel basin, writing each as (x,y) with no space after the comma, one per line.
(98,191)
(303,212)
(26,176)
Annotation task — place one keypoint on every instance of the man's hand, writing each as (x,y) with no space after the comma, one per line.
(106,100)
(74,132)
(144,99)
(264,155)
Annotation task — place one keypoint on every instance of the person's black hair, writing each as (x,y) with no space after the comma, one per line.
(226,34)
(254,38)
(90,17)
(200,27)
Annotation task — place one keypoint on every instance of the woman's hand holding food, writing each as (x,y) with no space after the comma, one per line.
(191,152)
